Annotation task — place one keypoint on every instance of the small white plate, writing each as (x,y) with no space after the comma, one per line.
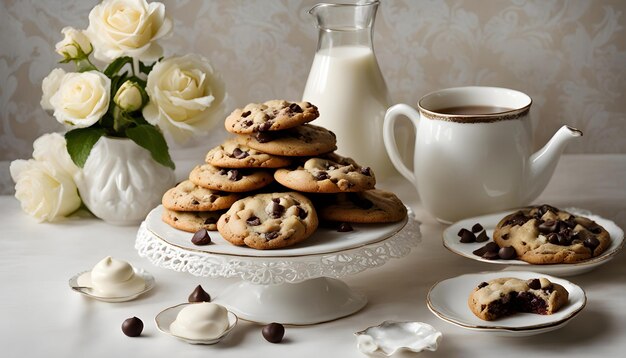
(89,292)
(165,318)
(489,222)
(447,299)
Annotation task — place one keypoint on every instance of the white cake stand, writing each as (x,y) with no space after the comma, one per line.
(297,285)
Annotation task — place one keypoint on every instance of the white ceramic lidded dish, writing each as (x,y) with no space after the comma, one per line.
(447,300)
(165,318)
(91,293)
(489,222)
(391,337)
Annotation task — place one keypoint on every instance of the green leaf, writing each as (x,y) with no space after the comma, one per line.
(143,68)
(80,141)
(149,137)
(117,65)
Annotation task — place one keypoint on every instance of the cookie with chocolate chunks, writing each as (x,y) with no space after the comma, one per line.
(187,196)
(231,154)
(270,116)
(229,180)
(331,173)
(269,221)
(371,206)
(547,235)
(304,140)
(191,221)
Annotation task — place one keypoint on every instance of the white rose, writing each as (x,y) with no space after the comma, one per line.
(186,96)
(50,86)
(74,45)
(127,28)
(82,98)
(44,192)
(128,96)
(52,148)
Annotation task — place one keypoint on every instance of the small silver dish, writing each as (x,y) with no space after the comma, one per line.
(165,318)
(91,293)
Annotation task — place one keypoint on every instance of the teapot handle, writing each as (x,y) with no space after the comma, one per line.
(390,140)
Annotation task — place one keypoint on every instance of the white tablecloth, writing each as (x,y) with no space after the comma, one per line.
(42,317)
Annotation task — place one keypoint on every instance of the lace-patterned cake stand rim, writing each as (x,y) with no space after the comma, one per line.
(297,290)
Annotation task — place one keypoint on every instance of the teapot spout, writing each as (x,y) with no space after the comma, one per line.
(543,162)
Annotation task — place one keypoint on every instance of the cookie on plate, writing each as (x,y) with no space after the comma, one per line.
(371,206)
(331,173)
(232,154)
(304,140)
(191,221)
(187,196)
(505,296)
(547,235)
(230,180)
(272,115)
(269,221)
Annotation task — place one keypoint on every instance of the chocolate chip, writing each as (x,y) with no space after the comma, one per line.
(477,228)
(563,240)
(245,114)
(302,214)
(460,233)
(517,219)
(467,236)
(534,284)
(199,295)
(276,200)
(570,222)
(507,253)
(132,327)
(247,123)
(264,127)
(482,284)
(490,255)
(489,247)
(366,171)
(548,226)
(553,238)
(345,227)
(591,242)
(482,237)
(239,154)
(321,175)
(195,202)
(295,108)
(505,237)
(277,210)
(545,208)
(271,235)
(234,175)
(273,332)
(201,237)
(264,137)
(253,221)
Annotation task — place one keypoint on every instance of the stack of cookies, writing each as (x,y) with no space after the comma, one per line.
(274,141)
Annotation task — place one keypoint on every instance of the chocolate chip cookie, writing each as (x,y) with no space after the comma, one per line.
(505,296)
(331,173)
(230,180)
(188,196)
(371,206)
(547,235)
(272,115)
(191,221)
(231,154)
(269,221)
(304,140)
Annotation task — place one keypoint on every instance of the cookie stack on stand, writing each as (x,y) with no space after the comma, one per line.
(274,141)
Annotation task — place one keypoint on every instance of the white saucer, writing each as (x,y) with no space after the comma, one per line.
(489,222)
(165,318)
(447,299)
(89,292)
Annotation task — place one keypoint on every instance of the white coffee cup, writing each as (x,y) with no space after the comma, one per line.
(470,164)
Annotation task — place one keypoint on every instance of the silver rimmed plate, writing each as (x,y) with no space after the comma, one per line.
(91,293)
(489,222)
(447,299)
(165,318)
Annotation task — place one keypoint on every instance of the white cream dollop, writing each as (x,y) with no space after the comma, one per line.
(113,278)
(200,321)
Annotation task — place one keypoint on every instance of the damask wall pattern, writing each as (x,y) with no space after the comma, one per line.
(568,55)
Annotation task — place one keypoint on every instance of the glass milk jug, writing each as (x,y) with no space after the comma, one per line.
(346,84)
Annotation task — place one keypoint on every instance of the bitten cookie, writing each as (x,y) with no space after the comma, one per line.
(547,235)
(270,116)
(191,221)
(304,140)
(372,206)
(187,196)
(230,180)
(505,296)
(231,154)
(328,174)
(269,221)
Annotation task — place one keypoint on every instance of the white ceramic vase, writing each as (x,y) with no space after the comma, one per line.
(120,182)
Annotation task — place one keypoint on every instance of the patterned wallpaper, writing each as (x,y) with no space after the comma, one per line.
(569,56)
